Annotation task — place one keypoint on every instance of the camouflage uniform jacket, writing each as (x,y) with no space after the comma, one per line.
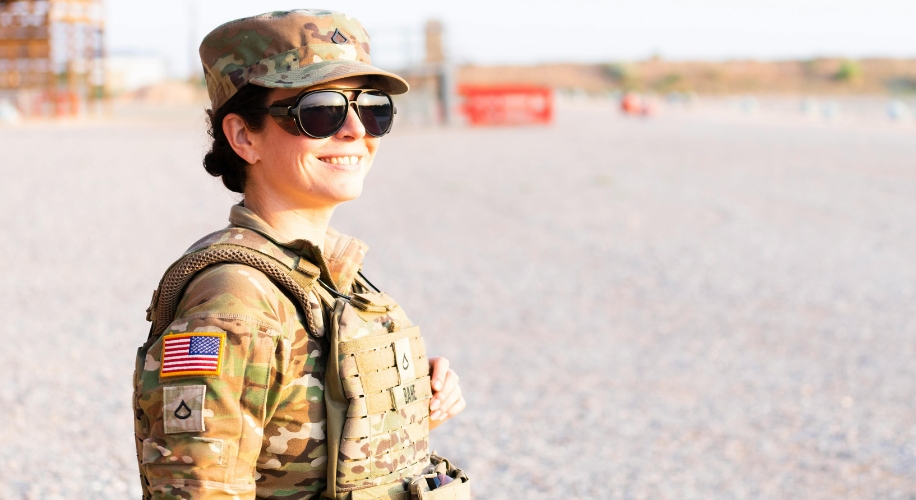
(257,429)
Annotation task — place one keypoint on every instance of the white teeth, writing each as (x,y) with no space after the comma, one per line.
(342,160)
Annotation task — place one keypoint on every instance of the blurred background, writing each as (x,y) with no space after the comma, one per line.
(668,246)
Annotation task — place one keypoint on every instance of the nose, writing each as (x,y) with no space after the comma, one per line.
(352,128)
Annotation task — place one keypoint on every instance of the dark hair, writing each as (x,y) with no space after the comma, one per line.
(222,160)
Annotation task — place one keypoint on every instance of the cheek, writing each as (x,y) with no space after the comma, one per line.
(287,151)
(372,144)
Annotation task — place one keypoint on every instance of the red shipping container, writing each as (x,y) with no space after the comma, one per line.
(507,104)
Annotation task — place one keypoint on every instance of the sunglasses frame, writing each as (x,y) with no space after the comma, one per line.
(281,111)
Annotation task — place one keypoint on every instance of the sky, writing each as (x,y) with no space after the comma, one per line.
(544,31)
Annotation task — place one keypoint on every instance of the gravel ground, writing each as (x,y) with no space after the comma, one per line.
(698,305)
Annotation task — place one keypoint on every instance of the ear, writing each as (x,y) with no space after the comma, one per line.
(241,138)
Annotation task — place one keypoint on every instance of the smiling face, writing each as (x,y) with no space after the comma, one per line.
(299,172)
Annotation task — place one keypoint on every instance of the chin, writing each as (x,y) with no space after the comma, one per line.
(347,193)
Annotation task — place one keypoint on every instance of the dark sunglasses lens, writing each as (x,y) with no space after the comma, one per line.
(375,111)
(323,113)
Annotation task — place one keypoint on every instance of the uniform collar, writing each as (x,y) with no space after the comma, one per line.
(340,259)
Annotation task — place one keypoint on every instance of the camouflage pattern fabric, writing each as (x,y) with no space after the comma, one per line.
(258,429)
(384,375)
(289,49)
(340,260)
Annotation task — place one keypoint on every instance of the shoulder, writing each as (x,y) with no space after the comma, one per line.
(236,291)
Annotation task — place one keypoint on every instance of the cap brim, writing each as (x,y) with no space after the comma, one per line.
(328,71)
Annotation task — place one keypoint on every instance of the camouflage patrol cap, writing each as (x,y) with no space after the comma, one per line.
(289,49)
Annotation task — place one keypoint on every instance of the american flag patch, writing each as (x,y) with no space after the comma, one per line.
(199,353)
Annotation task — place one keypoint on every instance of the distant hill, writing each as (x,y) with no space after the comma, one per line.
(816,76)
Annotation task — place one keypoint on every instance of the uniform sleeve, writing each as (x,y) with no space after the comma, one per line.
(202,423)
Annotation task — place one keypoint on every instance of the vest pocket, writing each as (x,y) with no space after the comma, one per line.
(427,486)
(183,450)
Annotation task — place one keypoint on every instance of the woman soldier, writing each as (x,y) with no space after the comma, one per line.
(235,388)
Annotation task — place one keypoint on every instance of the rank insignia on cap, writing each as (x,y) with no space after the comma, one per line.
(198,353)
(339,37)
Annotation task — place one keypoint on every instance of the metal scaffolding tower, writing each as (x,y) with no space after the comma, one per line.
(51,51)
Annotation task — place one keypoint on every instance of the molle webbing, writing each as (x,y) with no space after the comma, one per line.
(384,378)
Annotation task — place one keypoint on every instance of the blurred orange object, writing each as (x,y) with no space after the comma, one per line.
(637,104)
(507,104)
(631,104)
(66,103)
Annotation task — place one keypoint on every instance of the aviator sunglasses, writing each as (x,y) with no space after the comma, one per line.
(322,113)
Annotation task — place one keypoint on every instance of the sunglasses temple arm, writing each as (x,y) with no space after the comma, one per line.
(274,111)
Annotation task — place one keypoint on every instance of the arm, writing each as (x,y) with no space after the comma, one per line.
(205,433)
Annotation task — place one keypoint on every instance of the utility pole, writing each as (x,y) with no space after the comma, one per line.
(435,52)
(193,21)
(437,61)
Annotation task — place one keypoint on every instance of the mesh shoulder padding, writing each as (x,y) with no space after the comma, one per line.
(178,276)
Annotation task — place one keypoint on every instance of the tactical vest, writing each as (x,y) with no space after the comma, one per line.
(377,385)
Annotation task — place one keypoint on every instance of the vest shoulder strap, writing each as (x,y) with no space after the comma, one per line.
(237,246)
